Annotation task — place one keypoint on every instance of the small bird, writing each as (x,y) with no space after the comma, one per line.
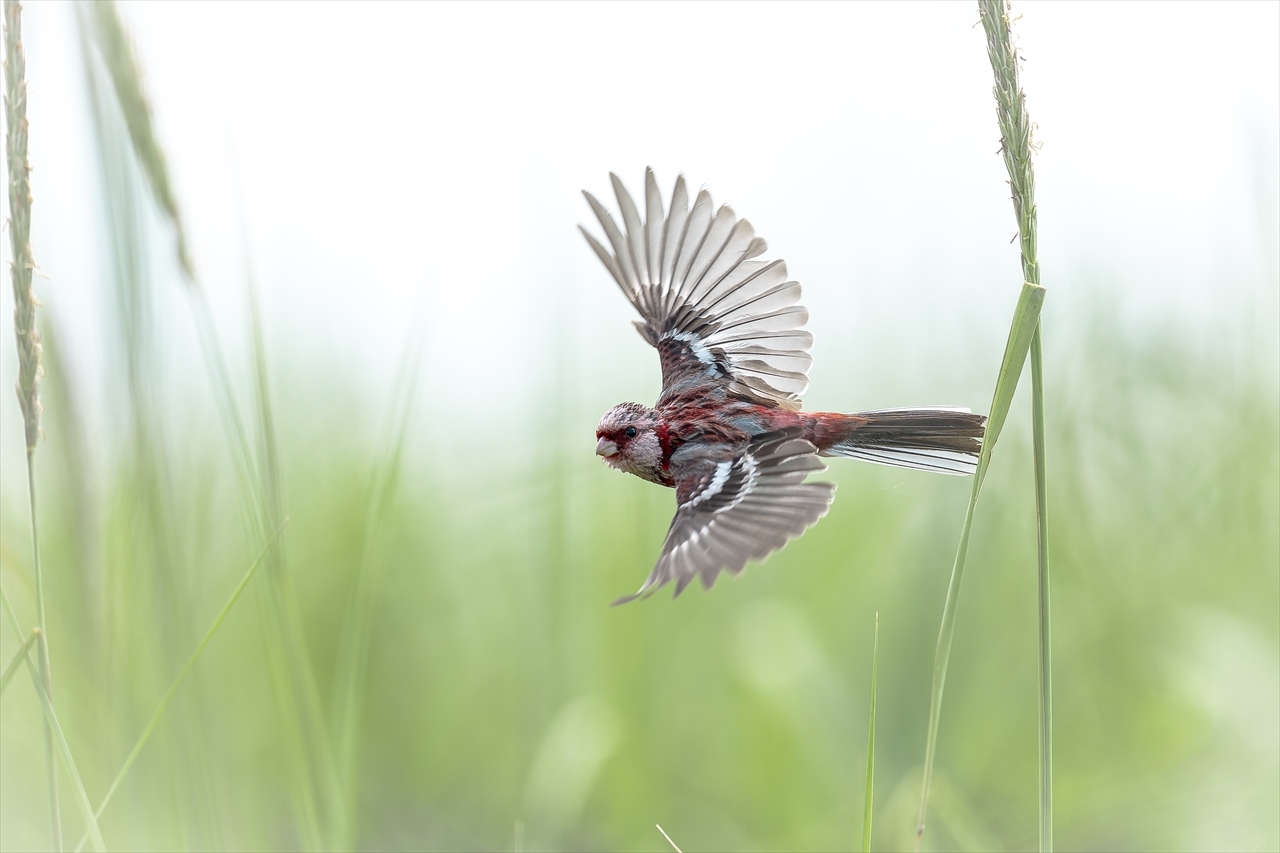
(727,431)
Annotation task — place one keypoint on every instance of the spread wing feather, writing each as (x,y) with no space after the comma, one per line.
(713,313)
(740,508)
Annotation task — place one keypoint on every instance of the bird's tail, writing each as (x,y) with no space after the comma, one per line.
(944,440)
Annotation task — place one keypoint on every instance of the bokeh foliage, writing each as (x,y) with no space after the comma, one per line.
(497,687)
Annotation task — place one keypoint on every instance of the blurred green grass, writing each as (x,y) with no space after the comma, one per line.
(499,687)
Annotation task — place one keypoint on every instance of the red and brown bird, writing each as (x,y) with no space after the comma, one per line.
(727,431)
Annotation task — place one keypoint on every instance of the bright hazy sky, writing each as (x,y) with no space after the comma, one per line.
(381,155)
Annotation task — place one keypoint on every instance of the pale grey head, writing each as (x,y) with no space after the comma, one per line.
(630,437)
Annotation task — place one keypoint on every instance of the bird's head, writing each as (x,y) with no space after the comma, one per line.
(629,438)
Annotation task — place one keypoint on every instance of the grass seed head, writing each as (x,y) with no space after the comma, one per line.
(24,298)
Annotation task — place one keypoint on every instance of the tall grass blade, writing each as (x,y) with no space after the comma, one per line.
(305,704)
(871,742)
(25,333)
(126,78)
(1042,589)
(82,798)
(668,837)
(12,666)
(1016,146)
(1026,317)
(51,718)
(108,51)
(353,652)
(1024,337)
(182,674)
(157,569)
(105,40)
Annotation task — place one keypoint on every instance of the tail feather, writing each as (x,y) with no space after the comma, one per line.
(944,440)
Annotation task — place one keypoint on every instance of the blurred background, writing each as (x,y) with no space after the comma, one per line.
(391,295)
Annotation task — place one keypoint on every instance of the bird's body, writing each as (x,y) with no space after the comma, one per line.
(709,417)
(727,431)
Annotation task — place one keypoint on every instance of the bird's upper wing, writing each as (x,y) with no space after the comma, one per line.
(713,313)
(732,509)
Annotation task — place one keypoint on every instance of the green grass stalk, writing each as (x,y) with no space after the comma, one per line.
(182,674)
(306,705)
(82,798)
(28,338)
(1024,338)
(158,565)
(1016,146)
(126,78)
(103,28)
(51,720)
(353,651)
(871,742)
(1042,589)
(12,666)
(1026,317)
(104,37)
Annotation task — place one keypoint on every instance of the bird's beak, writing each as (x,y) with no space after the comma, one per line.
(605,447)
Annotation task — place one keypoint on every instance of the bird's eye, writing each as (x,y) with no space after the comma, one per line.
(630,432)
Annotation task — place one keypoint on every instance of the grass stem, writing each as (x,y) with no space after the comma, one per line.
(51,721)
(82,798)
(103,30)
(1026,317)
(323,796)
(182,674)
(1016,147)
(12,666)
(1042,586)
(353,655)
(126,79)
(871,742)
(42,649)
(27,337)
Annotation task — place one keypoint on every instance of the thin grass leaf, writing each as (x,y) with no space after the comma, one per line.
(51,717)
(82,798)
(159,564)
(108,51)
(111,39)
(303,788)
(12,666)
(668,837)
(1016,145)
(1042,589)
(26,335)
(182,674)
(353,651)
(102,34)
(306,706)
(1024,336)
(871,742)
(1026,317)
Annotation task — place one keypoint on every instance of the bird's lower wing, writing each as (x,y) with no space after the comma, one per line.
(738,509)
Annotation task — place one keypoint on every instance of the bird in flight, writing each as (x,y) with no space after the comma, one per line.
(727,431)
